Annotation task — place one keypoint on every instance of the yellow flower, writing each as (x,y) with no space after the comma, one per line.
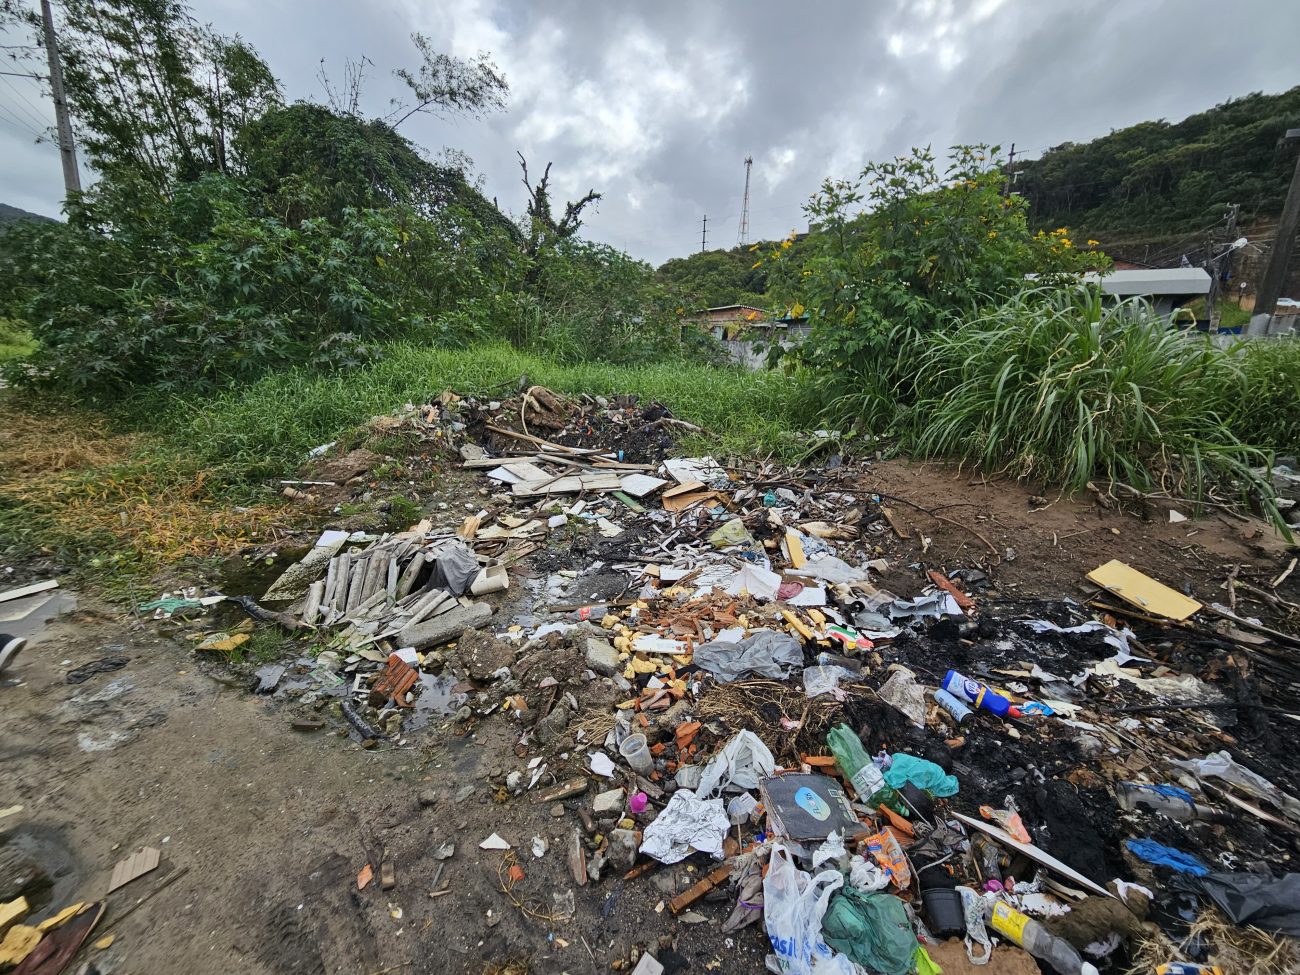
(1093,243)
(754,265)
(992,234)
(1060,231)
(1066,242)
(754,248)
(807,273)
(785,245)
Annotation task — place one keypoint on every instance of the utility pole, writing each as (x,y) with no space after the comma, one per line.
(67,149)
(1223,266)
(1279,256)
(704,233)
(1011,158)
(742,238)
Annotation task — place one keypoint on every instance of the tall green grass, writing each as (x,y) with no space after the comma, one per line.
(1067,388)
(1269,413)
(266,427)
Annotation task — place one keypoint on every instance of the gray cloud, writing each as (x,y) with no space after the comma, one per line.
(658,105)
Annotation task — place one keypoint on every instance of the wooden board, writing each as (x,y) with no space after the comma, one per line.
(136,865)
(31,590)
(639,485)
(1142,591)
(568,484)
(1035,854)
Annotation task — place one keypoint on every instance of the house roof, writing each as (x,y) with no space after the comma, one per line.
(1156,281)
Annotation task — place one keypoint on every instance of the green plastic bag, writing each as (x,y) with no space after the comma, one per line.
(872,929)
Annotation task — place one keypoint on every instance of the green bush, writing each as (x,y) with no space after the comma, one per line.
(1067,387)
(1269,411)
(931,247)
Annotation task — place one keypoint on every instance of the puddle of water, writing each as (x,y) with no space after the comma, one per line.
(49,850)
(435,700)
(27,617)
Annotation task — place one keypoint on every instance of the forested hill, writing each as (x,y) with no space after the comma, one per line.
(1168,177)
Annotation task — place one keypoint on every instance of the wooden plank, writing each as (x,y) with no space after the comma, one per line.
(568,484)
(639,485)
(30,590)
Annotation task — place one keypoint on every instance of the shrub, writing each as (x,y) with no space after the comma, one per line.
(1068,387)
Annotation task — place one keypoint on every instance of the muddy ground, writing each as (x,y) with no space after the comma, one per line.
(270,825)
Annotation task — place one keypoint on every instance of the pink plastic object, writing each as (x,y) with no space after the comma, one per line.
(638,802)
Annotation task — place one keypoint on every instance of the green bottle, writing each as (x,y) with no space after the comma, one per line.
(856,765)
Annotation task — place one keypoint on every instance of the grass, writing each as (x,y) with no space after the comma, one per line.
(155,481)
(14,341)
(1067,388)
(267,427)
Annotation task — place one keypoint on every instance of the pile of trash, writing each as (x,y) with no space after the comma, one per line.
(704,662)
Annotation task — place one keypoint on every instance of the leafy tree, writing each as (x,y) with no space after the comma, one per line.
(929,246)
(544,234)
(714,278)
(445,85)
(150,89)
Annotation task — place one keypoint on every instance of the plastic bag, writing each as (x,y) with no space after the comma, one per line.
(865,874)
(922,774)
(741,763)
(972,904)
(902,691)
(767,653)
(793,906)
(873,930)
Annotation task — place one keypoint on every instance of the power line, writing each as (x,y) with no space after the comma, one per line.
(27,106)
(26,127)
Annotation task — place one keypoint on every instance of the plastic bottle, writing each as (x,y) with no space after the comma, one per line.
(965,689)
(952,705)
(1059,954)
(856,765)
(1187,968)
(585,614)
(1168,800)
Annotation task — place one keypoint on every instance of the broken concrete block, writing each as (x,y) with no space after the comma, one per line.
(608,803)
(481,654)
(601,656)
(446,627)
(623,849)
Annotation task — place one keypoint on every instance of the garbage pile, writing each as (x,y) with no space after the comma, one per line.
(704,663)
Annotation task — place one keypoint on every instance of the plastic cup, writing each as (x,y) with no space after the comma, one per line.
(636,752)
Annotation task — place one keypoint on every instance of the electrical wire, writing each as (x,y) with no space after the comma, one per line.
(14,119)
(27,106)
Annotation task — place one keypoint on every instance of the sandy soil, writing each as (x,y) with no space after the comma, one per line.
(271,825)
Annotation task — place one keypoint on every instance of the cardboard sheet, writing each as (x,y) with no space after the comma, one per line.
(1142,591)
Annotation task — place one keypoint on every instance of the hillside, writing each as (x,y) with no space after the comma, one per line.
(1165,178)
(9,215)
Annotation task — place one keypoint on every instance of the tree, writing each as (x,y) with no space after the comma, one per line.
(447,85)
(544,233)
(153,91)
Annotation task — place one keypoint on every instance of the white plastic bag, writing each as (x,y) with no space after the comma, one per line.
(793,906)
(741,763)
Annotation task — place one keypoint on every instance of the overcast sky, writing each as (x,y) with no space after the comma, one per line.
(657,104)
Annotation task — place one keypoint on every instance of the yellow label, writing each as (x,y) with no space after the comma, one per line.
(1009,922)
